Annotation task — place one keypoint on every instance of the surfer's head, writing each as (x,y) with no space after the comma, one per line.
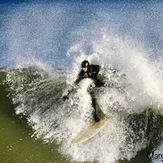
(85,64)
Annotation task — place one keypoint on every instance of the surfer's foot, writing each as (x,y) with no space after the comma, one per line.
(96,118)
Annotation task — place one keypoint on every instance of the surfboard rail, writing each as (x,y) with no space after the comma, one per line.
(90,131)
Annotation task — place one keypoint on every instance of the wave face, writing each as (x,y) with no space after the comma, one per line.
(44,45)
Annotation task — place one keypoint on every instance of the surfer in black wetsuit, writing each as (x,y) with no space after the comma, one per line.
(90,71)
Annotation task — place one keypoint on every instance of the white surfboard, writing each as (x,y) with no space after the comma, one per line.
(90,132)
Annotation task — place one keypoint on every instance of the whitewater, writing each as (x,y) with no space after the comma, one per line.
(43,46)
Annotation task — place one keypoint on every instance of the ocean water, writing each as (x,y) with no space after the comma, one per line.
(42,47)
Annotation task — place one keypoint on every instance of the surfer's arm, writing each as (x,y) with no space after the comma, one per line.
(67,93)
(99,82)
(79,78)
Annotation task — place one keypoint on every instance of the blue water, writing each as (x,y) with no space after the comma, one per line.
(46,31)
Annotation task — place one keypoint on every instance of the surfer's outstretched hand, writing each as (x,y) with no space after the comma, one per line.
(65,97)
(69,91)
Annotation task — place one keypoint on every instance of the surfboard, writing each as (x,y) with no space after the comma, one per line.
(90,132)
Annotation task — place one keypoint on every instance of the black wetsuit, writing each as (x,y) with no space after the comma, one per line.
(92,73)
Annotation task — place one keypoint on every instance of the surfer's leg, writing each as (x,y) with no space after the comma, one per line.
(94,106)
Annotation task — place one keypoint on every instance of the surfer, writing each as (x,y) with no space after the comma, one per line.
(90,71)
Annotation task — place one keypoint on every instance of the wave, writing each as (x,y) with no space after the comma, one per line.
(131,127)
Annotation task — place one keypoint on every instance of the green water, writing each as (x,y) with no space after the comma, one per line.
(16,143)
